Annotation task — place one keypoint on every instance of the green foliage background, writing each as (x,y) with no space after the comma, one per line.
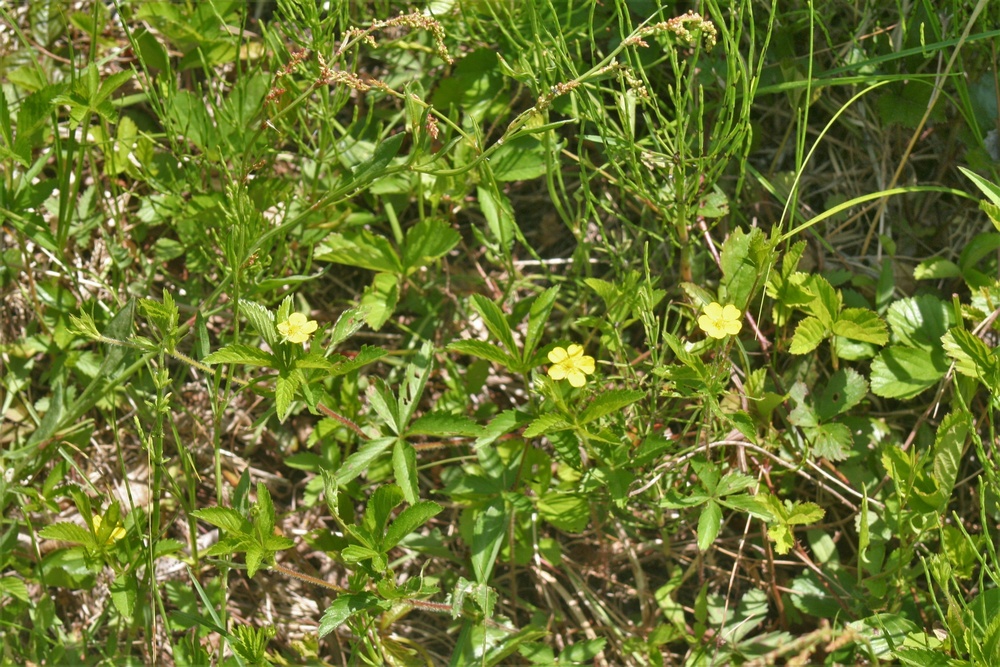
(452,190)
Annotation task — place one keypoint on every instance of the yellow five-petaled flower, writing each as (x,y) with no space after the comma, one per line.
(719,321)
(571,364)
(116,534)
(296,329)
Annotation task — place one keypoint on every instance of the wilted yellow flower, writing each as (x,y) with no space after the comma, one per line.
(719,322)
(571,364)
(296,329)
(116,534)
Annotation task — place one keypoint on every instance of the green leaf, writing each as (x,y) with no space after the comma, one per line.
(13,585)
(346,606)
(499,216)
(745,258)
(861,324)
(443,425)
(314,360)
(487,536)
(367,355)
(360,248)
(582,652)
(919,321)
(845,389)
(734,482)
(949,444)
(970,354)
(803,513)
(242,354)
(826,302)
(502,424)
(385,404)
(496,322)
(541,307)
(989,189)
(808,335)
(285,386)
(408,521)
(368,171)
(262,320)
(426,241)
(417,372)
(484,350)
(520,159)
(124,593)
(905,372)
(549,422)
(348,324)
(379,300)
(608,402)
(709,525)
(404,468)
(360,460)
(782,537)
(832,441)
(936,268)
(254,558)
(272,542)
(67,532)
(264,513)
(223,517)
(380,506)
(567,511)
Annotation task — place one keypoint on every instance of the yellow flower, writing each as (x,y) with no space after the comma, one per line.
(116,534)
(296,329)
(719,322)
(572,364)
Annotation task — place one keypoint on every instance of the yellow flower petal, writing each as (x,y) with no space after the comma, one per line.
(572,364)
(719,322)
(297,329)
(558,355)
